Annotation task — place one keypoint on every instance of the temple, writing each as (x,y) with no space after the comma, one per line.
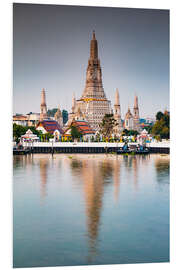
(136,123)
(117,115)
(43,107)
(92,106)
(93,103)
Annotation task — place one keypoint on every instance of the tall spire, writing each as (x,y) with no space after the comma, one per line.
(117,97)
(43,97)
(136,102)
(136,114)
(117,114)
(43,107)
(93,102)
(93,47)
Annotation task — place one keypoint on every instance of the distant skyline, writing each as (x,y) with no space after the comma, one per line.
(51,51)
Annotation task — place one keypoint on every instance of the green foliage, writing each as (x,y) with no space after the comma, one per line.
(45,137)
(159,115)
(149,128)
(107,125)
(75,133)
(161,127)
(125,132)
(65,116)
(92,139)
(19,130)
(130,132)
(52,112)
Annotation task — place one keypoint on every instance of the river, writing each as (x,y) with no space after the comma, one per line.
(90,209)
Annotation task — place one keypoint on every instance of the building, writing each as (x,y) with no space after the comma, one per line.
(43,107)
(20,120)
(30,119)
(117,115)
(83,127)
(58,117)
(144,137)
(50,126)
(93,103)
(136,122)
(128,121)
(33,119)
(29,137)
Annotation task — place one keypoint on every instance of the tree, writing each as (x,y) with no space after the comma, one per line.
(149,128)
(159,115)
(130,132)
(161,126)
(75,133)
(19,130)
(65,116)
(107,125)
(52,112)
(125,132)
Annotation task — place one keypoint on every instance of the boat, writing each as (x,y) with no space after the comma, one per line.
(20,150)
(133,149)
(142,149)
(124,149)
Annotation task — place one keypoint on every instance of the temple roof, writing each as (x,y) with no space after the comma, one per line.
(128,114)
(82,126)
(50,126)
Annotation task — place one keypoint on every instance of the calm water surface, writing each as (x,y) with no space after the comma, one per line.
(90,209)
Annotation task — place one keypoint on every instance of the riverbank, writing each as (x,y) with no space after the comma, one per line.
(84,147)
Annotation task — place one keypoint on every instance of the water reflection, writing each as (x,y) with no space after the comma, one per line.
(162,166)
(92,180)
(135,170)
(43,166)
(99,180)
(116,178)
(95,173)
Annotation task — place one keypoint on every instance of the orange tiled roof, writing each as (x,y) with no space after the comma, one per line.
(83,127)
(50,126)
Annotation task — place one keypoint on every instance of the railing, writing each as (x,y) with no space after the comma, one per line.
(164,144)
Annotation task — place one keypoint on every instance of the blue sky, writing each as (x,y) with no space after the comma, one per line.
(51,51)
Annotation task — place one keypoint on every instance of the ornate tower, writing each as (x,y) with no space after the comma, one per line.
(128,121)
(43,107)
(93,102)
(58,117)
(117,114)
(136,125)
(72,115)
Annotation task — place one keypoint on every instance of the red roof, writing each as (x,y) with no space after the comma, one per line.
(83,127)
(50,126)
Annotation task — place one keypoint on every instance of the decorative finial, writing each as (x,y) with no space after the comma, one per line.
(94,37)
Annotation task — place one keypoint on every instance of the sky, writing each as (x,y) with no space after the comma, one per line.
(51,50)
